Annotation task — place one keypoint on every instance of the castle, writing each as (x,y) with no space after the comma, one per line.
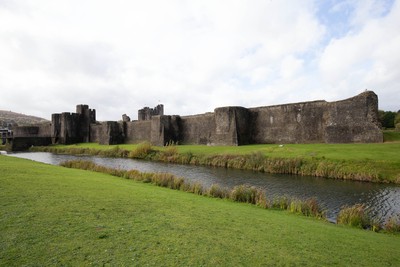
(353,120)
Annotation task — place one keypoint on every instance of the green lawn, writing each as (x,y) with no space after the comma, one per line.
(51,215)
(387,151)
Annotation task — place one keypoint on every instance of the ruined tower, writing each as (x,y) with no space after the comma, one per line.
(69,128)
(146,113)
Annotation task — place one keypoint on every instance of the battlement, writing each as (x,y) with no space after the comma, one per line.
(147,113)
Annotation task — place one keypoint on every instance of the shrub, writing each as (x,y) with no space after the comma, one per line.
(355,216)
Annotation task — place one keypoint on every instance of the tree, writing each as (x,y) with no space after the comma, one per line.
(397,121)
(386,118)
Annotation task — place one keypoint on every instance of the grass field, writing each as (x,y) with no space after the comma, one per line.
(54,216)
(378,162)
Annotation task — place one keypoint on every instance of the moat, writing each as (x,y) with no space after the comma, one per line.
(383,200)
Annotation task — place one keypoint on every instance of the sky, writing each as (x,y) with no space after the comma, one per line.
(194,56)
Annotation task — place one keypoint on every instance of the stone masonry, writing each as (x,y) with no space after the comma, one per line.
(353,120)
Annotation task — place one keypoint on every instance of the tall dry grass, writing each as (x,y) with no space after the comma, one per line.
(357,216)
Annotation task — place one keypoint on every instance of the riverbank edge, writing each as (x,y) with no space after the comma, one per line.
(356,170)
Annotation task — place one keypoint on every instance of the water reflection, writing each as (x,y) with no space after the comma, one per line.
(382,199)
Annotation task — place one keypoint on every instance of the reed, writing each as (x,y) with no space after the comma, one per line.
(246,194)
(115,152)
(262,201)
(356,216)
(393,224)
(256,161)
(142,151)
(217,191)
(169,154)
(280,202)
(167,180)
(308,207)
(185,158)
(197,188)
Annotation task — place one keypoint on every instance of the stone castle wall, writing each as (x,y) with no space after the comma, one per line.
(290,123)
(107,133)
(354,120)
(197,129)
(26,136)
(137,131)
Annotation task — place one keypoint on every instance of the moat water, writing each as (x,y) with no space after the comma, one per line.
(382,200)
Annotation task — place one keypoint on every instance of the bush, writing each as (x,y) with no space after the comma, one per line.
(387,118)
(397,121)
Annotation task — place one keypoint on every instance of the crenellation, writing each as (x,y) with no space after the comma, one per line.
(147,113)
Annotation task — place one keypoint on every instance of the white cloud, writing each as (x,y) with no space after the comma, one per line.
(366,59)
(193,56)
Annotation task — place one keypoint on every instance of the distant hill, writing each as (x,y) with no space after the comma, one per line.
(9,118)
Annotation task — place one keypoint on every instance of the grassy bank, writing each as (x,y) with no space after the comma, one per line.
(366,162)
(240,193)
(57,216)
